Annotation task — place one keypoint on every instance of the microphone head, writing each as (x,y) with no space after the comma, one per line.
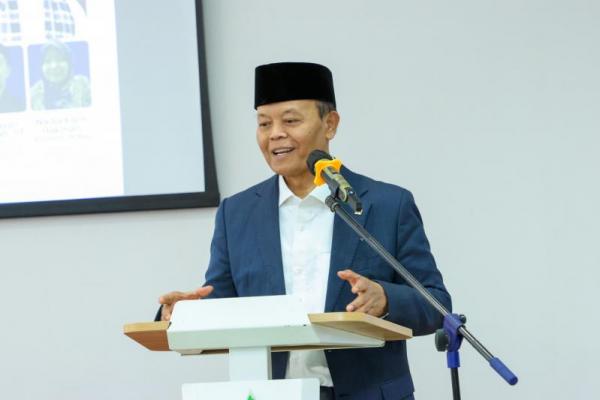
(314,156)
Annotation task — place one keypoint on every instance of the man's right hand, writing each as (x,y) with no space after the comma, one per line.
(168,300)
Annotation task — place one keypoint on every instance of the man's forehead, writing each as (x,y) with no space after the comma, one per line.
(284,107)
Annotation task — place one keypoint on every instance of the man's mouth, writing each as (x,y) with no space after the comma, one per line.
(282,151)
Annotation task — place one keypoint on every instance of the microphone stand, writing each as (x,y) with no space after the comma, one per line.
(450,337)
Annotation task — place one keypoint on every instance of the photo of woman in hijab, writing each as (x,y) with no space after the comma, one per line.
(60,73)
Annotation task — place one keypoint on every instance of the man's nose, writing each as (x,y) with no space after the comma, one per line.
(277,132)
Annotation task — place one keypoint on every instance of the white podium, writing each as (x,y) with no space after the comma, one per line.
(249,329)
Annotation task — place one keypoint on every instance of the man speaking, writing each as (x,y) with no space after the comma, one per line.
(279,237)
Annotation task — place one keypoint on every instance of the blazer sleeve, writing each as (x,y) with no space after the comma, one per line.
(405,305)
(218,273)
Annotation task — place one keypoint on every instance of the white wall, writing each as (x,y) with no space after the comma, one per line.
(486,110)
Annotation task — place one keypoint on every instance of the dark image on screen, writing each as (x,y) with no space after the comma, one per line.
(12,87)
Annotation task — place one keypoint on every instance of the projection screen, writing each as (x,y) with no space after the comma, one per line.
(103,107)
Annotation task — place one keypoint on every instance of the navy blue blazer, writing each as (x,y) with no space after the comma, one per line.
(246,261)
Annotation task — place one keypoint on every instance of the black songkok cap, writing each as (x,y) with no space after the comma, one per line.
(292,81)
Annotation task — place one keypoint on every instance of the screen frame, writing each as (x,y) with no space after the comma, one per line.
(209,198)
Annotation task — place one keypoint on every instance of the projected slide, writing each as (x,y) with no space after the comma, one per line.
(60,122)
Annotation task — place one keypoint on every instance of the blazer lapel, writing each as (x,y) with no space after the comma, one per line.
(344,244)
(267,234)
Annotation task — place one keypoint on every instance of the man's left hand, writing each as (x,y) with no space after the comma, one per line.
(370,296)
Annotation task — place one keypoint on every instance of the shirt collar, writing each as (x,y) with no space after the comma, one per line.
(320,192)
(284,191)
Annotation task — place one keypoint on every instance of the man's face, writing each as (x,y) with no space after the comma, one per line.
(289,130)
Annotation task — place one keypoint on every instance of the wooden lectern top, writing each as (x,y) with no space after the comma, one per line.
(153,335)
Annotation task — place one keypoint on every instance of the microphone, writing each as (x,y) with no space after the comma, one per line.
(326,169)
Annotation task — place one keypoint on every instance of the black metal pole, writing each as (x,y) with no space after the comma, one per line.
(455,384)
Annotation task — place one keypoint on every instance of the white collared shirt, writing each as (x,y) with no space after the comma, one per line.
(306,232)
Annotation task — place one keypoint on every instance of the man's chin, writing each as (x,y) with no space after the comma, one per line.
(284,170)
(279,168)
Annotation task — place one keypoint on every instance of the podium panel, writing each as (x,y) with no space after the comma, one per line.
(289,389)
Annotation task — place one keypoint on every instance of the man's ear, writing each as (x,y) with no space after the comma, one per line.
(332,121)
